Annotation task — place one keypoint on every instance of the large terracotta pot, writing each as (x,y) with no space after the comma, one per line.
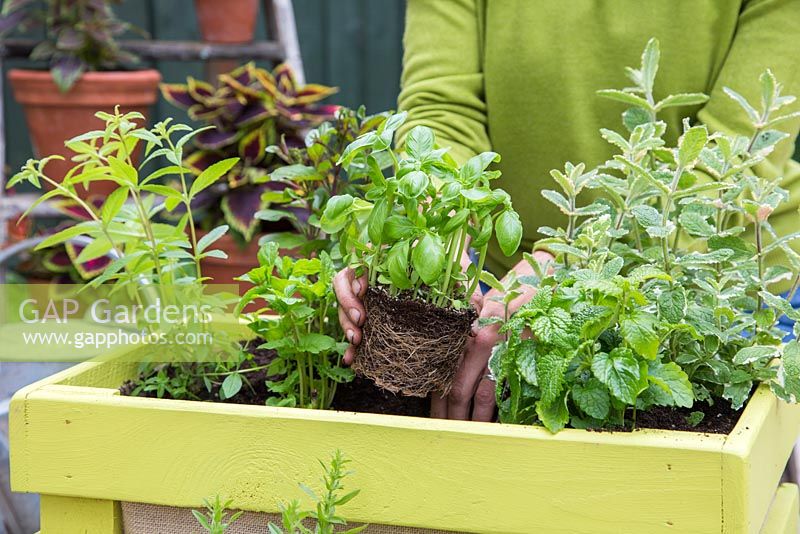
(240,261)
(231,21)
(53,116)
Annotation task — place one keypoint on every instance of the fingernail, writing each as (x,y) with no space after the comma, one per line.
(350,335)
(356,287)
(355,315)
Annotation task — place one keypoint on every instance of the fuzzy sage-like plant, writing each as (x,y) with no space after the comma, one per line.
(661,293)
(409,236)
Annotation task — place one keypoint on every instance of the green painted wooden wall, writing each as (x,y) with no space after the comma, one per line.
(355,45)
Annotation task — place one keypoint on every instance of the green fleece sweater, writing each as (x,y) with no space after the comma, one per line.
(519,77)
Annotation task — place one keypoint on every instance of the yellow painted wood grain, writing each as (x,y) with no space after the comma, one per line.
(755,456)
(70,515)
(70,437)
(454,475)
(784,513)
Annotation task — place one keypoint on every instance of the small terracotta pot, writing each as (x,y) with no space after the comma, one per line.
(228,21)
(53,116)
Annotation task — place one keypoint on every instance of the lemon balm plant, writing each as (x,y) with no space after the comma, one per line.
(409,235)
(661,294)
(153,261)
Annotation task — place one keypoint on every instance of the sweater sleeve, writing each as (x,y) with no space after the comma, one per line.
(442,85)
(766,37)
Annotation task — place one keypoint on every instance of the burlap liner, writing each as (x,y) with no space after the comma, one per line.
(140,518)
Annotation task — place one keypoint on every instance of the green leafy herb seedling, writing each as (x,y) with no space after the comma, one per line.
(325,515)
(216,519)
(409,236)
(299,322)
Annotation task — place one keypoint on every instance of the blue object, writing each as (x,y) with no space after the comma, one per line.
(786,324)
(473,257)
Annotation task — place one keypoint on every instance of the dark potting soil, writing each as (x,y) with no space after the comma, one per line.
(256,393)
(720,418)
(359,395)
(362,395)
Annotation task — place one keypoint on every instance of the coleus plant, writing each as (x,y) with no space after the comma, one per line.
(299,322)
(57,264)
(80,35)
(310,175)
(660,294)
(409,236)
(250,109)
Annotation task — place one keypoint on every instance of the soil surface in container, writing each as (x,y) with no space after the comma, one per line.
(364,396)
(256,394)
(718,419)
(360,395)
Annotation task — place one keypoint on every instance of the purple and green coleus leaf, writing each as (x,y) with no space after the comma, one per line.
(250,109)
(178,95)
(239,207)
(66,71)
(216,139)
(87,269)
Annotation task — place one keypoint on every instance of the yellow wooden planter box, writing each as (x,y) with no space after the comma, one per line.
(86,448)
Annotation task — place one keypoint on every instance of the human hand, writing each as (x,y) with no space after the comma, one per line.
(350,291)
(472,387)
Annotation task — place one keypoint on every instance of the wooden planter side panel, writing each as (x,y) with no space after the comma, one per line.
(784,512)
(754,461)
(448,475)
(68,515)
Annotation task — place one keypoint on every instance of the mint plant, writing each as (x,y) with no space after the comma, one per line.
(409,235)
(661,293)
(299,322)
(324,515)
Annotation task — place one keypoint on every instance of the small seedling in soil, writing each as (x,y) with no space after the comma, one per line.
(695,418)
(661,294)
(409,235)
(324,513)
(216,519)
(299,322)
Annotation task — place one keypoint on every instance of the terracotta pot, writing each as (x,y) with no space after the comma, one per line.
(53,116)
(228,21)
(240,260)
